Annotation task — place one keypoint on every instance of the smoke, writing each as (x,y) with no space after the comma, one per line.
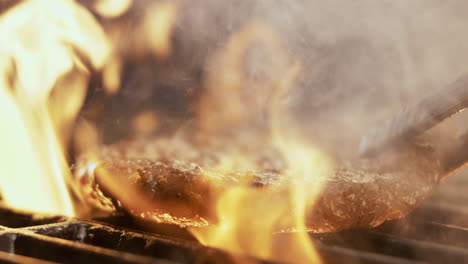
(360,60)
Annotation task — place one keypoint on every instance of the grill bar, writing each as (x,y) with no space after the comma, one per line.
(74,241)
(6,258)
(46,248)
(396,246)
(434,233)
(427,231)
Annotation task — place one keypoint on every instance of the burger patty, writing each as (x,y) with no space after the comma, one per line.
(171,181)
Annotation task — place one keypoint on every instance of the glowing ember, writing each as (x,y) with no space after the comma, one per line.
(42,86)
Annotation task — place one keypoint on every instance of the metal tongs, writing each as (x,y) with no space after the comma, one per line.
(412,121)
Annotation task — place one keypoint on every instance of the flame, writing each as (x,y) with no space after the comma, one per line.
(157,26)
(112,8)
(46,50)
(241,107)
(248,218)
(111,75)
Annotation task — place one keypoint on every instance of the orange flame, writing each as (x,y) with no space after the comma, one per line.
(236,105)
(158,25)
(248,218)
(45,48)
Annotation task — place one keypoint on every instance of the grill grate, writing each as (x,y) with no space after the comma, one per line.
(436,232)
(57,239)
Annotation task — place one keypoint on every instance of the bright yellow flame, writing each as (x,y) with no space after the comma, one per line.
(112,8)
(249,217)
(158,24)
(111,75)
(44,47)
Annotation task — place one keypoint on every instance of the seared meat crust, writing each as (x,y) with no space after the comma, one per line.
(184,189)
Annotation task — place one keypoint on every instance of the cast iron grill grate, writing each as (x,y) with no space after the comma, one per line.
(436,232)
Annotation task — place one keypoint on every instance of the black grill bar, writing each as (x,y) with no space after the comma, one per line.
(96,234)
(336,254)
(17,218)
(7,258)
(363,240)
(182,251)
(46,248)
(74,241)
(427,231)
(436,232)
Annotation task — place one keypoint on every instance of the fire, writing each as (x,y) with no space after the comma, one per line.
(157,26)
(46,50)
(112,8)
(249,218)
(236,110)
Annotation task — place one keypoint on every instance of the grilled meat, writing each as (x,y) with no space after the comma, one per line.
(174,182)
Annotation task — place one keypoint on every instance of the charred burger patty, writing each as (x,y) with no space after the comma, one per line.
(169,181)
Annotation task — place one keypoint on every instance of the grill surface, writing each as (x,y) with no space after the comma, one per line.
(436,232)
